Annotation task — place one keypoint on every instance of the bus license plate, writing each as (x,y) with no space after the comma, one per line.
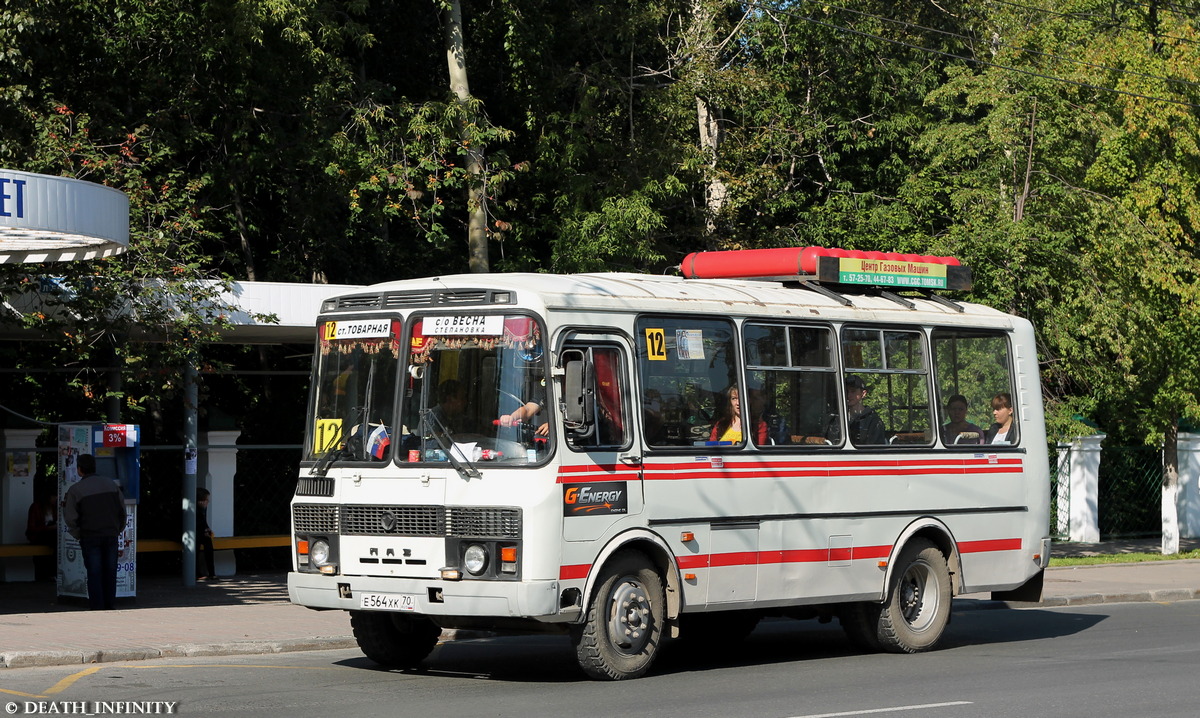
(388,601)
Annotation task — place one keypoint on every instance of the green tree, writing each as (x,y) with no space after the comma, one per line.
(1068,174)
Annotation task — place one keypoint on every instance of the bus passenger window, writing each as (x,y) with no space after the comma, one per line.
(792,384)
(972,375)
(887,368)
(606,427)
(685,362)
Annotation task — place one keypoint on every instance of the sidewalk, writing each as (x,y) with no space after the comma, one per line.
(251,614)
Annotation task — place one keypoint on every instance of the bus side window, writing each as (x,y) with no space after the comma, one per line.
(889,364)
(970,368)
(684,363)
(793,383)
(606,426)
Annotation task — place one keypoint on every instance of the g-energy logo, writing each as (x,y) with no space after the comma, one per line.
(595,499)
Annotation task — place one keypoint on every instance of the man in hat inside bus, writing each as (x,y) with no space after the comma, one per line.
(864,423)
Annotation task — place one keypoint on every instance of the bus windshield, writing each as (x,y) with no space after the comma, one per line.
(355,391)
(475,386)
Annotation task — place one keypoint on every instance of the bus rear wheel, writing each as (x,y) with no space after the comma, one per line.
(621,634)
(394,640)
(918,606)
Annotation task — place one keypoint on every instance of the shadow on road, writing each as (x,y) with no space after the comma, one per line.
(551,659)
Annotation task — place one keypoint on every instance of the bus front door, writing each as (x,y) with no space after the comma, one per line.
(601,470)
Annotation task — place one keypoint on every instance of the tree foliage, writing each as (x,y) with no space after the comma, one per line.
(1052,149)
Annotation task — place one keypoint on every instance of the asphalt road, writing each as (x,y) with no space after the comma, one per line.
(1136,659)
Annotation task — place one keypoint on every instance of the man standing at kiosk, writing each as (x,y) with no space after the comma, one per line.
(94,512)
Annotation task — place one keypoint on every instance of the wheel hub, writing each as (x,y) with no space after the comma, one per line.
(914,597)
(629,617)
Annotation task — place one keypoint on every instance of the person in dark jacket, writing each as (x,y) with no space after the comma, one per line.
(204,537)
(864,424)
(94,512)
(41,529)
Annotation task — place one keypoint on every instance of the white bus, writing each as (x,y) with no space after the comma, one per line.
(628,458)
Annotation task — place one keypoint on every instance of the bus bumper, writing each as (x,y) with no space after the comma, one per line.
(515,599)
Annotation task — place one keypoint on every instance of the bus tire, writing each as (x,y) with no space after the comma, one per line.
(918,606)
(860,621)
(394,640)
(620,637)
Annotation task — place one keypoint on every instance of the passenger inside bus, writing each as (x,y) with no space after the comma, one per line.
(865,425)
(1004,431)
(452,400)
(727,428)
(959,430)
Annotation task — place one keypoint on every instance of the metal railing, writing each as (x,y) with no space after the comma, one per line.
(1060,493)
(1129,495)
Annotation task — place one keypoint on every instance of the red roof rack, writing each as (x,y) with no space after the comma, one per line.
(830,266)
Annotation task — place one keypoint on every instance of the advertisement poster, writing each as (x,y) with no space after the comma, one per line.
(72,575)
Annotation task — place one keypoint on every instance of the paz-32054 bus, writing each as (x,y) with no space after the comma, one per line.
(629,458)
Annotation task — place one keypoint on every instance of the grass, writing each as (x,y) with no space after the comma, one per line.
(1123,558)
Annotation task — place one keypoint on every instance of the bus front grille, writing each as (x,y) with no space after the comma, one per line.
(365,520)
(315,518)
(393,521)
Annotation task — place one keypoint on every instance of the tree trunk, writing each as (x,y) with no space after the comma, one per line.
(1170,490)
(715,191)
(703,51)
(456,61)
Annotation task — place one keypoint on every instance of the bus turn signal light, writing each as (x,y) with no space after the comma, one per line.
(508,559)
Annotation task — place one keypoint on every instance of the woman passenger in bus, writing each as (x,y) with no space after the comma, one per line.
(959,430)
(1004,431)
(728,426)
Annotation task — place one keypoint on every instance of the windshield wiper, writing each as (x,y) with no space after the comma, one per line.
(335,453)
(439,432)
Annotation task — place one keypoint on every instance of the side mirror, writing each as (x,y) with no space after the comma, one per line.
(579,389)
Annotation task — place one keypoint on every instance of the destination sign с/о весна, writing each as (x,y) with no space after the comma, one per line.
(463,325)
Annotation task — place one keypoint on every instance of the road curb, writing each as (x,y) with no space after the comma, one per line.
(32,659)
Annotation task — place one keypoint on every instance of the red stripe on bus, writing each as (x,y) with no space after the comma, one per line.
(584,468)
(738,558)
(808,555)
(596,473)
(726,473)
(786,469)
(1012,544)
(567,573)
(742,462)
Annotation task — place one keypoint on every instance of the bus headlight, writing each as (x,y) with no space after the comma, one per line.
(475,559)
(318,552)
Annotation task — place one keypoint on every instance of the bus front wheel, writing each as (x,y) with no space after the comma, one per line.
(394,640)
(918,605)
(621,635)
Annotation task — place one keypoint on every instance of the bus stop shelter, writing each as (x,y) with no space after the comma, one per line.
(46,219)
